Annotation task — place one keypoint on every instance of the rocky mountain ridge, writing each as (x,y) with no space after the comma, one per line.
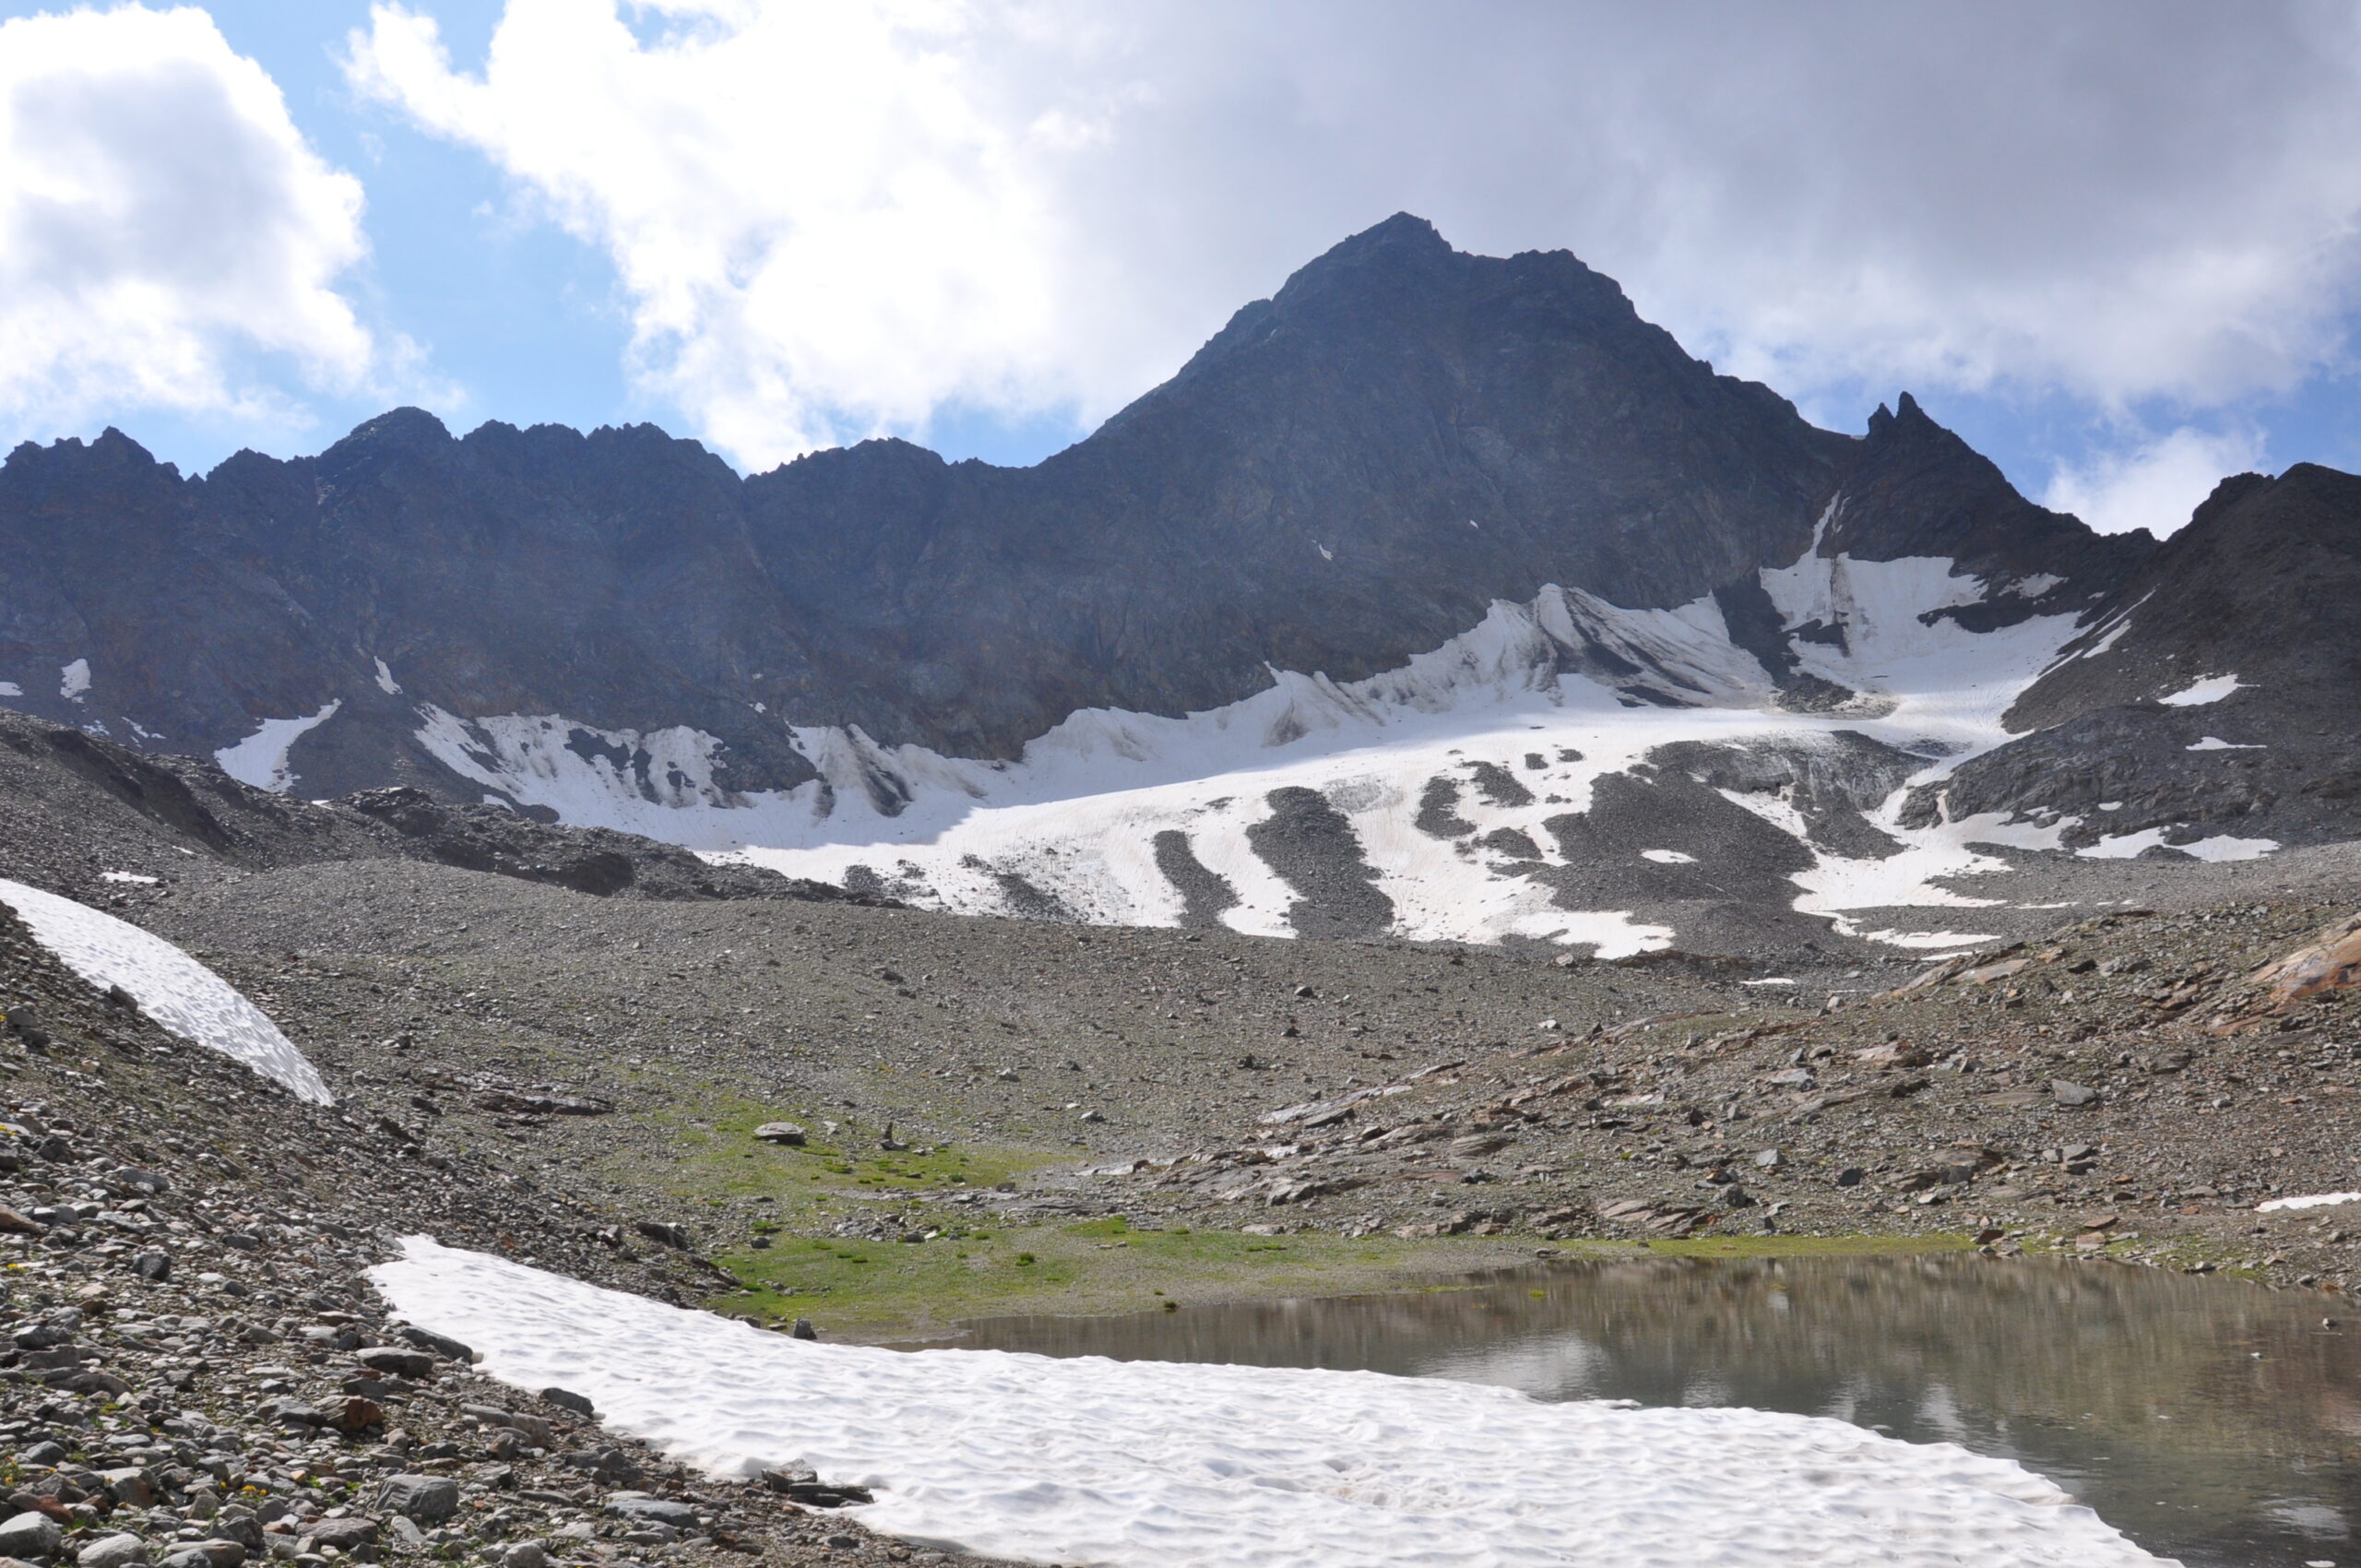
(1416,499)
(1345,477)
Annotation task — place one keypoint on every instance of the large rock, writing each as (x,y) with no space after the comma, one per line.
(29,1535)
(429,1499)
(640,1507)
(345,1534)
(394,1358)
(112,1551)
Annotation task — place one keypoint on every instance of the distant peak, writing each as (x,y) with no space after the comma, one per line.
(403,426)
(1905,415)
(1403,236)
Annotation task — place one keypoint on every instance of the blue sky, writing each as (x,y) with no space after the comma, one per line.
(2113,247)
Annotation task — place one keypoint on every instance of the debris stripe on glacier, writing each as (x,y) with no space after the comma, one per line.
(171,987)
(1159,1465)
(1075,816)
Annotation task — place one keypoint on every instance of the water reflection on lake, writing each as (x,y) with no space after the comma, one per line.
(2210,1421)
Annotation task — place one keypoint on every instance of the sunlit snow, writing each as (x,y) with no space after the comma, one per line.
(2213,688)
(261,758)
(171,987)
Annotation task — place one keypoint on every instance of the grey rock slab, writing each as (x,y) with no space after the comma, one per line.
(441,1344)
(429,1499)
(29,1535)
(395,1360)
(640,1507)
(112,1551)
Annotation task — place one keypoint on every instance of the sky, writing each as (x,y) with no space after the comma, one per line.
(2116,245)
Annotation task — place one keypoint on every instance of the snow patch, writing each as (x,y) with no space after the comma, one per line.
(2215,743)
(131,876)
(2222,847)
(1155,1465)
(386,681)
(171,987)
(73,681)
(260,759)
(1668,857)
(2310,1200)
(2213,688)
(10,689)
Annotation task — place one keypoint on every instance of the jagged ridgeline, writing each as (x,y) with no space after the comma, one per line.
(1415,502)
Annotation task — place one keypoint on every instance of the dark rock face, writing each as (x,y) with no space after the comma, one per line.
(1917,489)
(71,804)
(2263,584)
(1347,474)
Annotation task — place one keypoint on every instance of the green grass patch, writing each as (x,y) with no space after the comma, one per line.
(720,1157)
(1100,1266)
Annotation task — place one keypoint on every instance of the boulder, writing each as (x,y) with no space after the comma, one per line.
(428,1499)
(112,1551)
(29,1535)
(640,1508)
(441,1344)
(395,1360)
(785,1134)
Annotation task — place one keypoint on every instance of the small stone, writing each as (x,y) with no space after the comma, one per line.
(1770,1158)
(28,1535)
(804,1330)
(429,1499)
(526,1554)
(1851,1176)
(112,1551)
(156,1267)
(664,1233)
(356,1413)
(2073,1095)
(785,1134)
(566,1399)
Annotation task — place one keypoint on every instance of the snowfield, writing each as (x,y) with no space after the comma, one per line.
(171,987)
(1451,794)
(1155,1465)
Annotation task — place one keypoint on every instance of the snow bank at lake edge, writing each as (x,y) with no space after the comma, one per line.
(1155,1464)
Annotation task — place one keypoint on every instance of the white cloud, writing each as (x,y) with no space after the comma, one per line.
(161,222)
(2155,485)
(833,217)
(822,228)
